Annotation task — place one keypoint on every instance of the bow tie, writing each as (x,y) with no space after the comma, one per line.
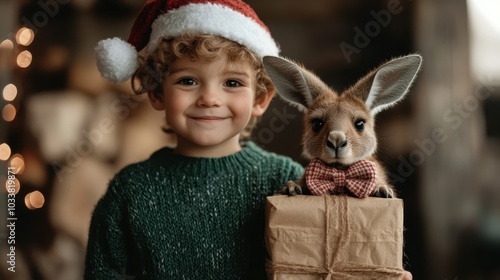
(359,178)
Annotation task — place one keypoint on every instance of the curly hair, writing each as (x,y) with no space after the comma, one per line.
(203,48)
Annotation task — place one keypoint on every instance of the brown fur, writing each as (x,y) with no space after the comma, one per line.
(338,142)
(339,112)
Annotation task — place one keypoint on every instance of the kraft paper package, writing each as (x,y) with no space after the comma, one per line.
(334,237)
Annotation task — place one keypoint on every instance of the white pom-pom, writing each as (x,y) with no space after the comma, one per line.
(116,59)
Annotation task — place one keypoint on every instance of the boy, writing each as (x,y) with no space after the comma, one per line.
(196,211)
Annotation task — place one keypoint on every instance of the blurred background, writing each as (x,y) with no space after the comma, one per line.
(65,131)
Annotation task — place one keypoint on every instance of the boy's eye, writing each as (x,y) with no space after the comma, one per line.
(232,83)
(186,82)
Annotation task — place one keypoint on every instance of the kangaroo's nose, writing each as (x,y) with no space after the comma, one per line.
(336,140)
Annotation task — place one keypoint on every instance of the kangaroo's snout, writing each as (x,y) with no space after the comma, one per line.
(336,140)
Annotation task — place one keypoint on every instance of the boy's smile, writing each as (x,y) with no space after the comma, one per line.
(208,121)
(208,117)
(207,105)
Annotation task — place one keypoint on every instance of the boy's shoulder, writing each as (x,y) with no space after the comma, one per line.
(271,159)
(132,176)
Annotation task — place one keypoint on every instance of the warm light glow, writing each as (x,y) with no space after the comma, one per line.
(17,185)
(25,36)
(24,59)
(484,26)
(27,202)
(7,45)
(9,92)
(9,112)
(488,11)
(4,151)
(36,199)
(17,162)
(55,57)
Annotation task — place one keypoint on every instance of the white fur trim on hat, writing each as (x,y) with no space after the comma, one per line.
(216,20)
(116,59)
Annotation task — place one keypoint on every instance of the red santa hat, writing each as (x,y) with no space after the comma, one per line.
(231,19)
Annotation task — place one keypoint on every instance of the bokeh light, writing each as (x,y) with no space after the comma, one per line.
(17,185)
(17,163)
(4,151)
(9,92)
(24,59)
(34,200)
(27,202)
(7,45)
(25,36)
(9,112)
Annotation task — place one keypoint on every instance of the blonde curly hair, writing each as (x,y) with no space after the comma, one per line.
(203,48)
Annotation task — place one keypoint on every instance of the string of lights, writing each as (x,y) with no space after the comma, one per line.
(10,93)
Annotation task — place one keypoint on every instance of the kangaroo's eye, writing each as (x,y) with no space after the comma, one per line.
(317,124)
(359,125)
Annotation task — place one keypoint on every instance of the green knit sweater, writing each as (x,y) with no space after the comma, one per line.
(176,217)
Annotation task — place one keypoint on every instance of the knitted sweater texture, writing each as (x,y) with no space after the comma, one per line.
(176,217)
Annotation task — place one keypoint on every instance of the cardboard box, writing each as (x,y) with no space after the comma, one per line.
(334,237)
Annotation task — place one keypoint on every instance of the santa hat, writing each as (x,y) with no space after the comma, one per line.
(231,19)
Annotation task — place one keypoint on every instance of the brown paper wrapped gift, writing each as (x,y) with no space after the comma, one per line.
(334,237)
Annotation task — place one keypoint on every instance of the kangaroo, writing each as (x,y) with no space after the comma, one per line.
(339,128)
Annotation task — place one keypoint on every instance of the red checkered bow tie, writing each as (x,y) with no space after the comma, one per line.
(359,178)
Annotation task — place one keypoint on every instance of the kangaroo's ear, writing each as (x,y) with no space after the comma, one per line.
(293,82)
(388,83)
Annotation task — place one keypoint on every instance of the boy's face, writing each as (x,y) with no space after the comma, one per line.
(208,105)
